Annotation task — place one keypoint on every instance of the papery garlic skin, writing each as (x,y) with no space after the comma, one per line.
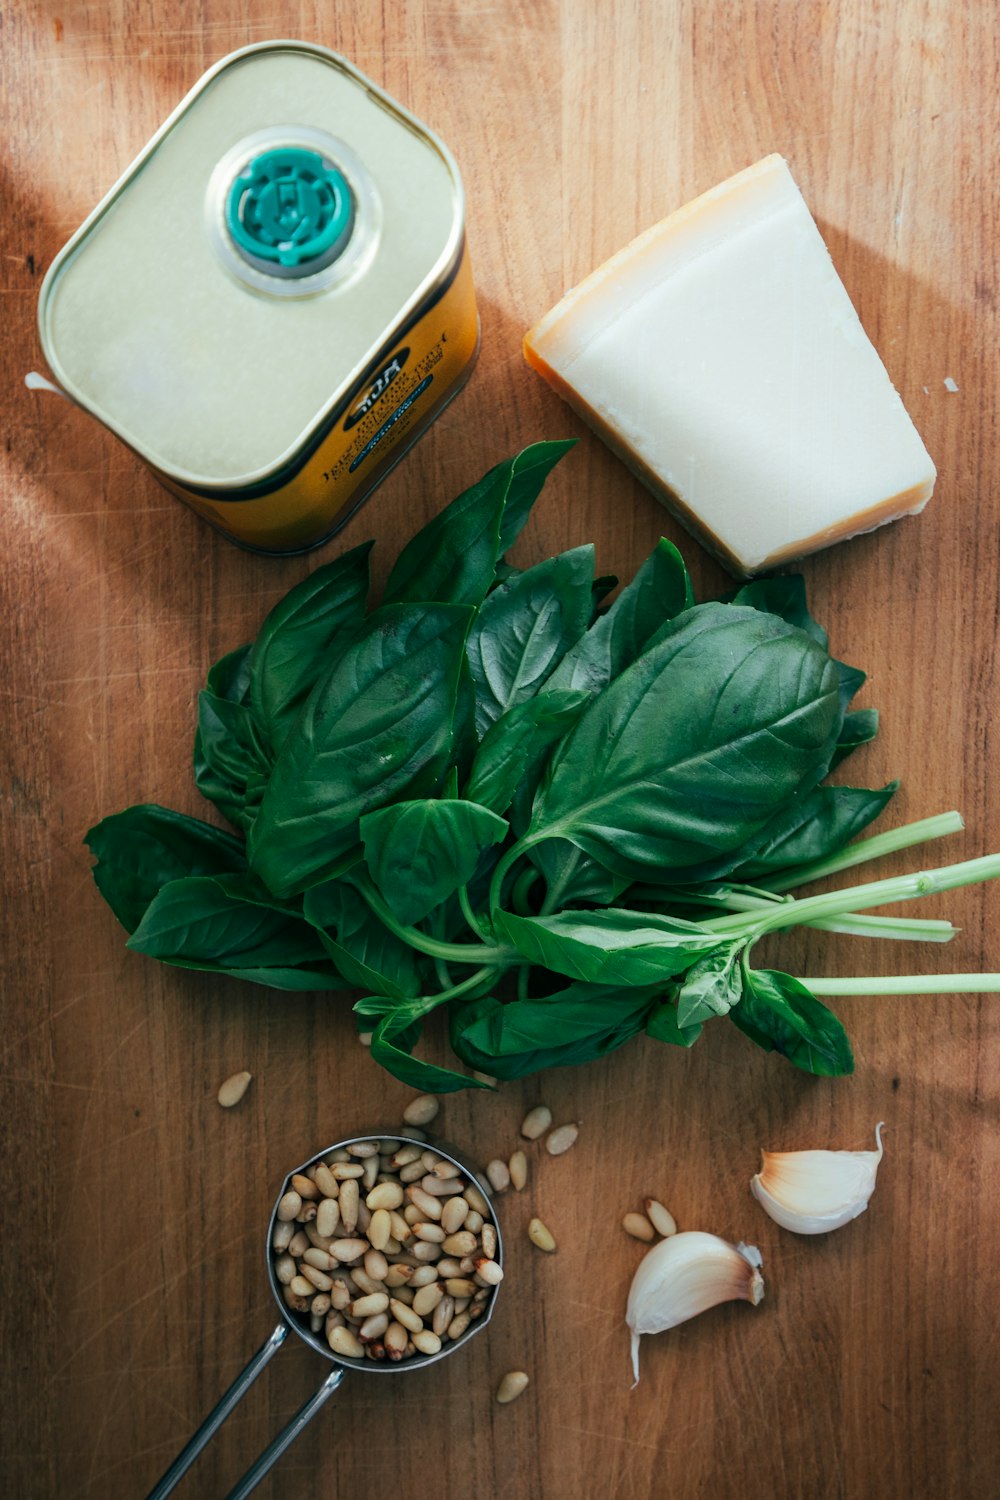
(685,1275)
(812,1192)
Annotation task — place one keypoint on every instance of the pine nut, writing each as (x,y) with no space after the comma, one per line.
(436,1187)
(486,1078)
(288,1206)
(340,1295)
(423,1276)
(320,1304)
(348,1205)
(398,1276)
(454,1215)
(406,1316)
(458,1325)
(365,1283)
(466,1265)
(427,1204)
(347,1171)
(446,1170)
(411,1173)
(380,1229)
(320,1280)
(424,1251)
(474,1221)
(347,1250)
(561,1139)
(374,1327)
(489,1239)
(462,1243)
(326,1182)
(518,1169)
(306,1213)
(405,1294)
(638,1226)
(396,1339)
(327,1217)
(536,1122)
(442,1316)
(426,1298)
(432,1232)
(282,1235)
(422,1110)
(376,1265)
(539,1235)
(449,1267)
(475,1200)
(318,1258)
(317,1241)
(369,1176)
(499,1175)
(301,1287)
(365,1038)
(662,1221)
(511,1386)
(342,1341)
(490,1271)
(233,1089)
(299,1243)
(304,1186)
(387,1195)
(458,1286)
(400,1227)
(363,1149)
(426,1342)
(296,1302)
(285,1268)
(405,1155)
(365,1307)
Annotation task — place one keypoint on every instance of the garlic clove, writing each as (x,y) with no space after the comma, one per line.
(812,1192)
(685,1275)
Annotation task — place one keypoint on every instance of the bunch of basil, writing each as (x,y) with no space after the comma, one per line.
(492,794)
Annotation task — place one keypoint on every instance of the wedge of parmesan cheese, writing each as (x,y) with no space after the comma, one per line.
(720,356)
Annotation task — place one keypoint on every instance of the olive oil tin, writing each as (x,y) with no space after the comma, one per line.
(275,300)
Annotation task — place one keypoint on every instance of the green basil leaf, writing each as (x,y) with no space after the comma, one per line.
(144,848)
(392,1045)
(419,852)
(528,473)
(574,878)
(695,747)
(452,559)
(784,597)
(660,591)
(860,728)
(783,1011)
(514,745)
(229,677)
(206,922)
(576,1025)
(377,728)
(294,646)
(816,825)
(662,1026)
(612,946)
(367,954)
(231,759)
(523,630)
(711,987)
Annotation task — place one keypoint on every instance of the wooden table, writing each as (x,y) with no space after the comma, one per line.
(132,1273)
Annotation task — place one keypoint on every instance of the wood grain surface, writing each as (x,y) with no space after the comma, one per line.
(134,1207)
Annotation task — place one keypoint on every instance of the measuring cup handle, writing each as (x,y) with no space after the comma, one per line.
(219,1413)
(286,1438)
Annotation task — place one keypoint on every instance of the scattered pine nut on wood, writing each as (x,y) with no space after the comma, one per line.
(541,1236)
(662,1221)
(536,1122)
(511,1386)
(518,1169)
(561,1139)
(638,1226)
(233,1089)
(421,1110)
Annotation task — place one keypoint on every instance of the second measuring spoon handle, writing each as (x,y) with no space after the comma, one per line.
(219,1413)
(286,1437)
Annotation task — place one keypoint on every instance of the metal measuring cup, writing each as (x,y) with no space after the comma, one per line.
(289,1321)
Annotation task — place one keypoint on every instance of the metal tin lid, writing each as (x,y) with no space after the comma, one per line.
(237,281)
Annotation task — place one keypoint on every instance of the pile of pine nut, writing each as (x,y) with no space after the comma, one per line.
(388,1248)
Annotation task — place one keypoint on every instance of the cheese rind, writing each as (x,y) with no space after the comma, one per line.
(720,355)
